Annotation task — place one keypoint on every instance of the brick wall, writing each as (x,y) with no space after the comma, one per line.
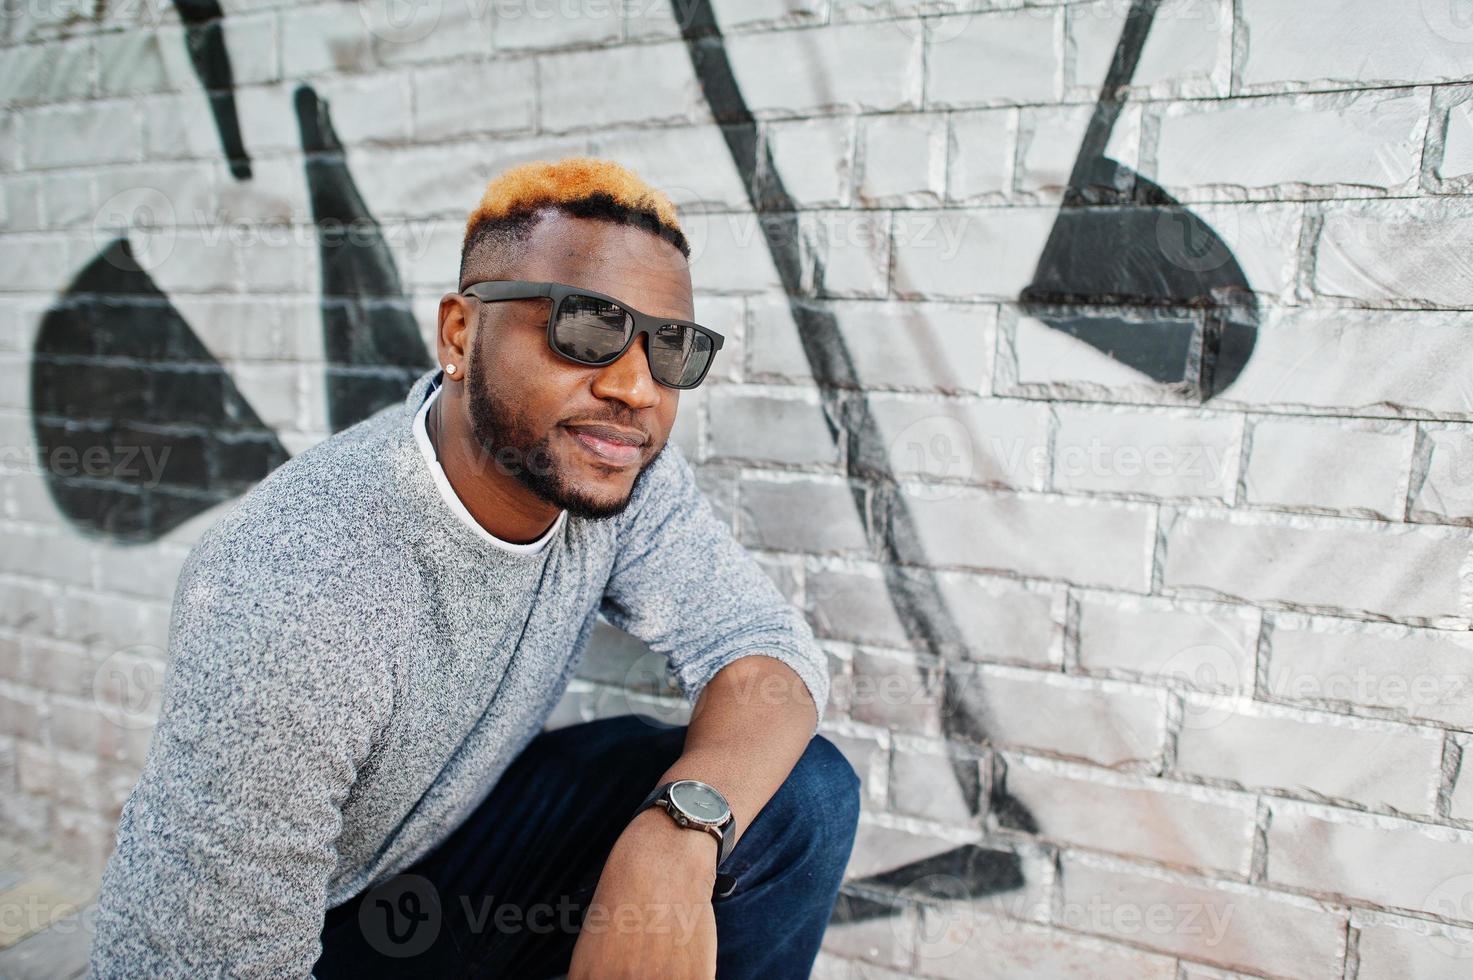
(1117,445)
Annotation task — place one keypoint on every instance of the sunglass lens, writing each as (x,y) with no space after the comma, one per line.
(679,354)
(589,329)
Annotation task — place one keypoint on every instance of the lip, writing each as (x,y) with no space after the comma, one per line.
(613,447)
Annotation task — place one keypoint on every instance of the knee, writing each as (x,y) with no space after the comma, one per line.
(823,792)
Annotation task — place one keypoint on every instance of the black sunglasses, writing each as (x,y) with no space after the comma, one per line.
(591,328)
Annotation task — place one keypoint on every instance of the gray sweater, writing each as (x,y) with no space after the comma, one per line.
(352,668)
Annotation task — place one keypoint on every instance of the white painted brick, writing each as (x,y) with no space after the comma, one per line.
(1397,946)
(1003,57)
(493,96)
(1087,542)
(138,62)
(924,782)
(729,252)
(849,252)
(896,691)
(57,71)
(1187,50)
(799,515)
(778,428)
(52,553)
(23,202)
(1370,763)
(70,199)
(1161,453)
(1444,492)
(1360,467)
(426,180)
(250,40)
(997,620)
(1390,571)
(1457,149)
(665,162)
(929,346)
(1370,363)
(434,33)
(982,146)
(87,133)
(1263,239)
(904,160)
(989,441)
(33,262)
(976,254)
(970,946)
(1211,921)
(1104,722)
(1151,818)
(1048,144)
(1384,860)
(1380,251)
(320,39)
(812,157)
(519,25)
(853,605)
(185,126)
(1323,41)
(373,107)
(862,67)
(1201,645)
(1367,139)
(1461,802)
(1404,672)
(741,13)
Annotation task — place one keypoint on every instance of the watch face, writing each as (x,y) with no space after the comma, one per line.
(698,800)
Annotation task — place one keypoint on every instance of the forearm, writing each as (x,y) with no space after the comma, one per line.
(747,730)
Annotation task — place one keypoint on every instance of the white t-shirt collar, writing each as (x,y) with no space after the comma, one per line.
(427,448)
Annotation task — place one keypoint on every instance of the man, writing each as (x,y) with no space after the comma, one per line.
(349,776)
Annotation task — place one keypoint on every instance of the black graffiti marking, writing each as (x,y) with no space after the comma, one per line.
(116,367)
(374,349)
(887,521)
(204,35)
(1130,271)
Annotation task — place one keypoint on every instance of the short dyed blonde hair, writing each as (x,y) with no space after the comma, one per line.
(596,184)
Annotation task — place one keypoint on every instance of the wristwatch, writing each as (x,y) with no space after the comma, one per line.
(697,806)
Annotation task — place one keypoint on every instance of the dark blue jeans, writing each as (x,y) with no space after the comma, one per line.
(505,894)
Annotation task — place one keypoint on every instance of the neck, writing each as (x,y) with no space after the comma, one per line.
(497,501)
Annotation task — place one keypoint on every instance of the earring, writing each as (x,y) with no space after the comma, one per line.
(450,369)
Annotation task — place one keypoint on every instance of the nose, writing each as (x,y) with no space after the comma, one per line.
(629,379)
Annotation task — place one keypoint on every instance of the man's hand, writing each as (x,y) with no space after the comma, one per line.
(651,914)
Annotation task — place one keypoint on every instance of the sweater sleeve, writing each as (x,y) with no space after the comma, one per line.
(683,584)
(226,846)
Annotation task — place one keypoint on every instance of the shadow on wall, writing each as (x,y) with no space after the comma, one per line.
(119,374)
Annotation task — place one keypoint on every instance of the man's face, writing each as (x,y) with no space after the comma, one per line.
(526,402)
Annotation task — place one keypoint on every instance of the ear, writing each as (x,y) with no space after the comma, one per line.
(453,334)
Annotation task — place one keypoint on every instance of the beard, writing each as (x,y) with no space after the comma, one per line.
(516,448)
